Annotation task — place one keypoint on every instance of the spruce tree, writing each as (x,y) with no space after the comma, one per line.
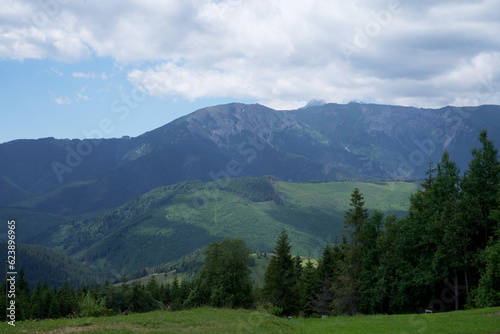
(22,297)
(346,287)
(482,182)
(281,282)
(309,286)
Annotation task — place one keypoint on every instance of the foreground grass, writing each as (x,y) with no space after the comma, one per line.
(202,320)
(207,320)
(473,322)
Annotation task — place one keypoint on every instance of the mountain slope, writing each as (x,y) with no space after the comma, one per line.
(172,221)
(326,142)
(47,265)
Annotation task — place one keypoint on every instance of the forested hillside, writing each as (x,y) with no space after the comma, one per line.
(54,268)
(170,222)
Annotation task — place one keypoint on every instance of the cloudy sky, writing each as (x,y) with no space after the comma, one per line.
(81,68)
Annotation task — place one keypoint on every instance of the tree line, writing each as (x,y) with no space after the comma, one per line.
(444,255)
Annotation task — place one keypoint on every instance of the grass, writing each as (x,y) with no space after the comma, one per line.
(473,321)
(203,320)
(208,320)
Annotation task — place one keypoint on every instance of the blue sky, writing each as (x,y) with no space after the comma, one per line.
(68,67)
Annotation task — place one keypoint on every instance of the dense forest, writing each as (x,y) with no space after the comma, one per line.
(444,255)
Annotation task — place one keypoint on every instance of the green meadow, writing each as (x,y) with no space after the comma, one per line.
(209,320)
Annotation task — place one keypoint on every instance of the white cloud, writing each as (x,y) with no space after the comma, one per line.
(56,71)
(62,100)
(82,97)
(423,53)
(84,75)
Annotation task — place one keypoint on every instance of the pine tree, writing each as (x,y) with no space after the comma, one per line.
(427,185)
(67,300)
(370,262)
(482,182)
(22,297)
(54,309)
(346,287)
(309,286)
(280,279)
(153,288)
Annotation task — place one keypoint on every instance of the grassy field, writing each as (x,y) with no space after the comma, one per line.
(207,320)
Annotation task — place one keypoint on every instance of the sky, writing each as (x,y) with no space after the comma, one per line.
(110,68)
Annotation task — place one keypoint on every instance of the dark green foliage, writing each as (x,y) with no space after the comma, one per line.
(281,282)
(346,285)
(140,299)
(482,182)
(488,291)
(190,264)
(224,280)
(254,189)
(370,261)
(48,265)
(308,288)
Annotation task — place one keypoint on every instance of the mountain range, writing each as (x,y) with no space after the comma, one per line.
(236,170)
(319,142)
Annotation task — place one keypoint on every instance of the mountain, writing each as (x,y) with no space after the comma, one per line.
(322,142)
(172,221)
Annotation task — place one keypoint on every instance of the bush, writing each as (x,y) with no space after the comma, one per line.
(91,307)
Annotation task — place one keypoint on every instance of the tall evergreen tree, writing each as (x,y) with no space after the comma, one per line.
(22,297)
(281,283)
(346,287)
(482,182)
(488,291)
(309,286)
(370,262)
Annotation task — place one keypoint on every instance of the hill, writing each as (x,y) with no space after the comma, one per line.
(172,221)
(324,142)
(43,264)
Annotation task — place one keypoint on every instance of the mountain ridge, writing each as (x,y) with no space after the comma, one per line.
(329,141)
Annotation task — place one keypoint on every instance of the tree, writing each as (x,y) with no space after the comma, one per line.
(281,283)
(488,291)
(153,288)
(224,280)
(309,286)
(482,182)
(326,274)
(67,302)
(393,275)
(370,262)
(22,297)
(346,287)
(140,300)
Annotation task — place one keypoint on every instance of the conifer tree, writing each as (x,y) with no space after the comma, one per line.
(309,286)
(22,297)
(482,182)
(346,287)
(280,279)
